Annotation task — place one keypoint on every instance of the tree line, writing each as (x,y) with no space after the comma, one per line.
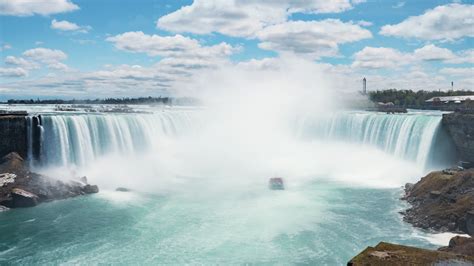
(412,98)
(140,100)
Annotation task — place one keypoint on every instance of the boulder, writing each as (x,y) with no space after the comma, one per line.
(409,186)
(22,198)
(122,189)
(435,194)
(7,178)
(12,163)
(3,208)
(89,189)
(83,179)
(460,245)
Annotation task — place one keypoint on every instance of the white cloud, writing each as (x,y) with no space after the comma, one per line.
(20,62)
(65,25)
(433,53)
(168,46)
(52,58)
(399,5)
(460,71)
(13,72)
(58,66)
(380,57)
(364,23)
(226,17)
(465,56)
(311,38)
(243,18)
(5,46)
(448,22)
(32,7)
(45,55)
(84,41)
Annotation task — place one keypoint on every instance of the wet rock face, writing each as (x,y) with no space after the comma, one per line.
(461,128)
(460,245)
(21,188)
(89,189)
(442,201)
(13,134)
(22,198)
(470,222)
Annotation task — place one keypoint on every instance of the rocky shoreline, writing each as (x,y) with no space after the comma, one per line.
(442,201)
(19,187)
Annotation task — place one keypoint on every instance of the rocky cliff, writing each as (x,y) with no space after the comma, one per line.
(13,135)
(461,128)
(442,201)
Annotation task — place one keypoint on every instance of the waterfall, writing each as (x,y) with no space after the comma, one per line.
(77,139)
(408,136)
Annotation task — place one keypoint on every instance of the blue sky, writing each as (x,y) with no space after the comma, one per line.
(74,48)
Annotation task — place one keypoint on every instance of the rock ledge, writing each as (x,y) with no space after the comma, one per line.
(19,187)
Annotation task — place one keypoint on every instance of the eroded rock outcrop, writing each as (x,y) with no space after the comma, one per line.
(460,245)
(13,134)
(461,128)
(19,187)
(442,201)
(392,254)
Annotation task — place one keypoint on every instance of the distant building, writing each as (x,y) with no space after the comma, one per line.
(450,99)
(364,86)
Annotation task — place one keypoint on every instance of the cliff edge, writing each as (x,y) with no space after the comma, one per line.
(442,201)
(461,128)
(384,254)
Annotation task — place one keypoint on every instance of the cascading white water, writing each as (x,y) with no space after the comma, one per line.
(81,138)
(407,136)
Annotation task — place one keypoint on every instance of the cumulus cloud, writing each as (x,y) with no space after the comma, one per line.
(33,7)
(124,80)
(448,22)
(243,18)
(465,56)
(52,58)
(45,55)
(380,57)
(459,71)
(13,72)
(311,38)
(433,53)
(5,46)
(399,5)
(20,62)
(168,46)
(65,25)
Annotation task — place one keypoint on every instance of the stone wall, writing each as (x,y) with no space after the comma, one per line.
(461,128)
(13,135)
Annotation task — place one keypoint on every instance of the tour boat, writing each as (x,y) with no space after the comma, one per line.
(276,183)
